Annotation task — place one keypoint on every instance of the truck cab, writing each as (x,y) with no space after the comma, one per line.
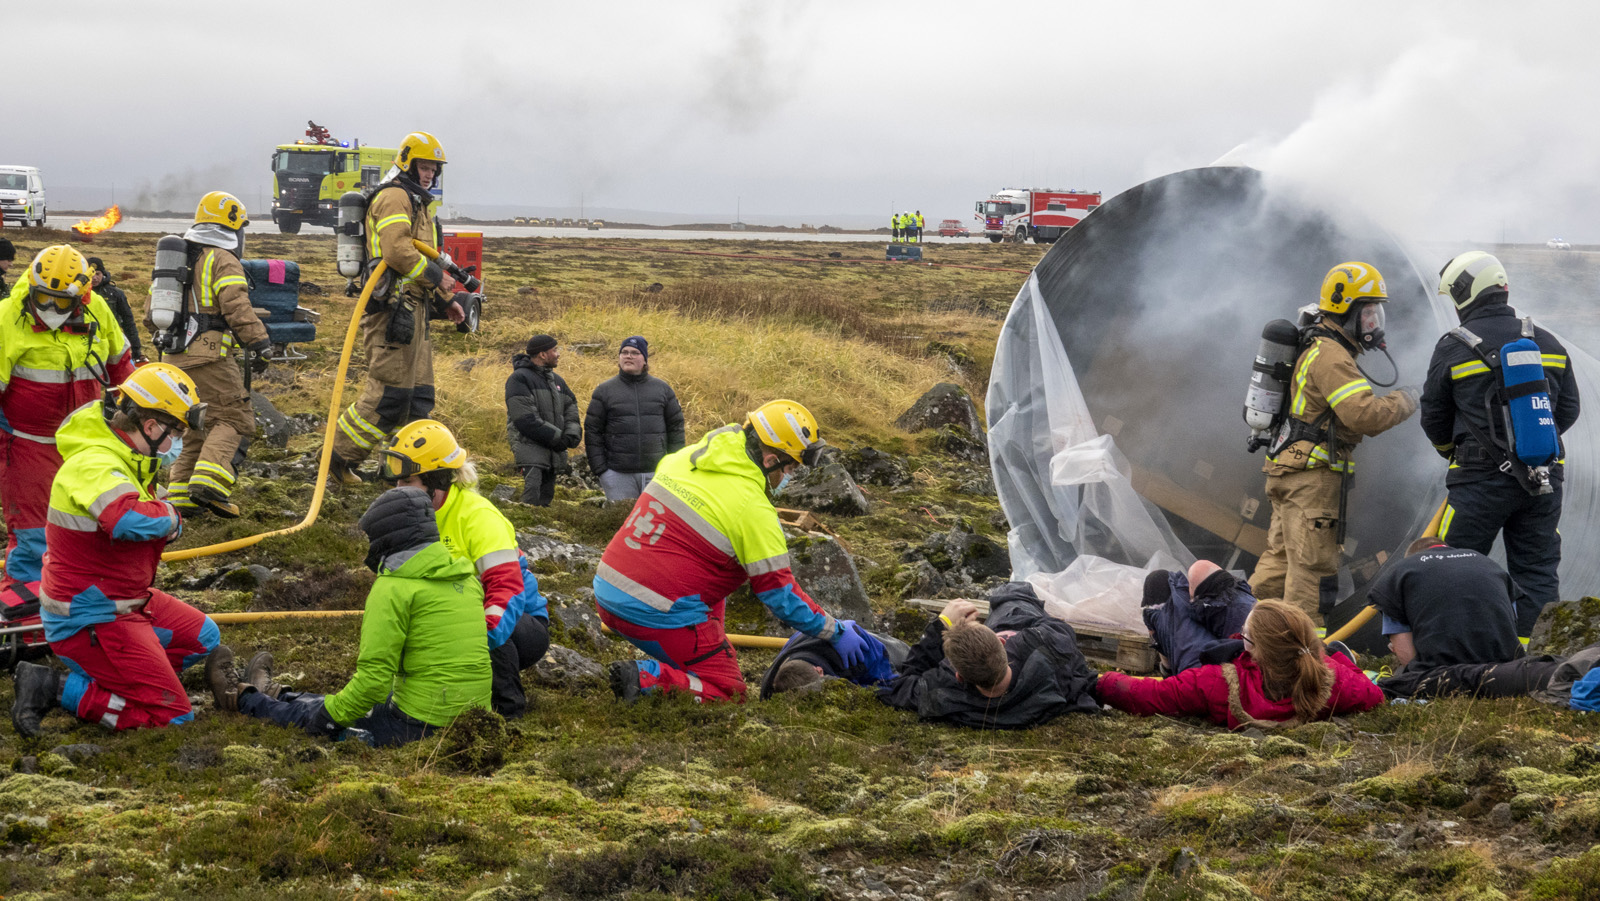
(308,178)
(22,197)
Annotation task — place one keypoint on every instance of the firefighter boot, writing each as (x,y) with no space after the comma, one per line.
(38,690)
(223,677)
(211,499)
(625,680)
(341,473)
(258,675)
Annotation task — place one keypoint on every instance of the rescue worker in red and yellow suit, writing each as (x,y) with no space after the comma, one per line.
(424,454)
(1331,406)
(394,327)
(218,320)
(123,642)
(59,344)
(703,527)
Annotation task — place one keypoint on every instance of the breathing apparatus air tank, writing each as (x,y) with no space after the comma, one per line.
(168,281)
(352,250)
(1269,380)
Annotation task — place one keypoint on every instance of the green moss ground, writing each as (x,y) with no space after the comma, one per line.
(788,799)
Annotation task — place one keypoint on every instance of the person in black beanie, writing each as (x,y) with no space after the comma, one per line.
(8,255)
(541,419)
(633,421)
(100,280)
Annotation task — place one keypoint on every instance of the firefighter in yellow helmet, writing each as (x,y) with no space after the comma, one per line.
(217,325)
(394,327)
(1331,406)
(703,527)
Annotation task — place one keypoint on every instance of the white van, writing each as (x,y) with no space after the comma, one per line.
(22,195)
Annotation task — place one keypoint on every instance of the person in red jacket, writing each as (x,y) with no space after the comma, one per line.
(1284,677)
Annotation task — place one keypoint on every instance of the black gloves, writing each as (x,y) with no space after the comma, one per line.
(540,432)
(258,354)
(574,440)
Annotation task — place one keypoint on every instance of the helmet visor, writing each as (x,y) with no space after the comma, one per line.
(396,466)
(1371,319)
(195,418)
(61,300)
(812,453)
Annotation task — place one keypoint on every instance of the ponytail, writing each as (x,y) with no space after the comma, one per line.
(1290,655)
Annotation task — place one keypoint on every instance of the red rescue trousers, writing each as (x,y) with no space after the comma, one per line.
(125,672)
(695,659)
(26,470)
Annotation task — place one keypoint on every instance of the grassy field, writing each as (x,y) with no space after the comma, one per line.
(829,796)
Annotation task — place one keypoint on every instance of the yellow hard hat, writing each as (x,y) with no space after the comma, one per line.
(419,145)
(166,389)
(61,274)
(419,447)
(223,209)
(788,428)
(1347,283)
(1472,275)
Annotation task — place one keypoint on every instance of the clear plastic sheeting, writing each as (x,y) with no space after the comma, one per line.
(1114,401)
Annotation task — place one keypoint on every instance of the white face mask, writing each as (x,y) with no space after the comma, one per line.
(52,318)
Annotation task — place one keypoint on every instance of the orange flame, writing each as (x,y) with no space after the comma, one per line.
(100,223)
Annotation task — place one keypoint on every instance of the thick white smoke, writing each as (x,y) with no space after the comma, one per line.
(1457,140)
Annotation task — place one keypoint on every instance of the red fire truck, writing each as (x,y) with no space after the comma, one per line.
(1043,214)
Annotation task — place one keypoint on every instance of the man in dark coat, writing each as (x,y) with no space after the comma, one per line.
(804,662)
(1184,621)
(633,421)
(118,302)
(541,419)
(1451,618)
(1023,668)
(8,255)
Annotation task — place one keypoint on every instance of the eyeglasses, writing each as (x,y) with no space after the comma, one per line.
(1247,641)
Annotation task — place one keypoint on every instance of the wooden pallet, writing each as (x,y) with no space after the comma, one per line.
(1130,652)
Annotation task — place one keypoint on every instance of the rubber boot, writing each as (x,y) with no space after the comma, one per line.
(214,501)
(625,681)
(38,691)
(258,675)
(341,473)
(223,677)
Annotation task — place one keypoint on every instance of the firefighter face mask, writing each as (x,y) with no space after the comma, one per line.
(1369,322)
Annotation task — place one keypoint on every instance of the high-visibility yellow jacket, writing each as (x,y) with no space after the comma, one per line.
(1326,377)
(475,531)
(47,373)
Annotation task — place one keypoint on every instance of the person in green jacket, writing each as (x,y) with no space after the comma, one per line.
(423,660)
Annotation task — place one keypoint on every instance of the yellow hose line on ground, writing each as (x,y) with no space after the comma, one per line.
(234,619)
(738,641)
(321,486)
(1367,613)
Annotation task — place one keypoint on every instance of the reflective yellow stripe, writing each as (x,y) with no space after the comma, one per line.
(1319,457)
(227,280)
(206,290)
(387,221)
(1345,391)
(1445,448)
(206,466)
(362,433)
(1462,370)
(1444,521)
(1299,406)
(1554,361)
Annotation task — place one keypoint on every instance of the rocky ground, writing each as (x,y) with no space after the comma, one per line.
(829,796)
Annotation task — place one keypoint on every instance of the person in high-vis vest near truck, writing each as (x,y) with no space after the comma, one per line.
(124,642)
(59,345)
(394,326)
(217,322)
(1309,464)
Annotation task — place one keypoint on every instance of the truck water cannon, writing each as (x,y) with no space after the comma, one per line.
(318,134)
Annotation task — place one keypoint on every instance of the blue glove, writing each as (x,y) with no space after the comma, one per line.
(850,643)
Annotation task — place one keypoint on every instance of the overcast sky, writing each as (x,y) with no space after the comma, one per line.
(1449,121)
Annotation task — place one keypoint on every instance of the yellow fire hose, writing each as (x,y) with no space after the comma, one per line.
(1368,612)
(738,641)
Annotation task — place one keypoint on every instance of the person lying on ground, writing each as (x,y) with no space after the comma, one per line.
(1450,615)
(1187,614)
(805,663)
(1021,669)
(422,660)
(1283,677)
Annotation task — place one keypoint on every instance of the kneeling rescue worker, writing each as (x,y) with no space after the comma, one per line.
(425,455)
(59,347)
(703,527)
(394,326)
(123,642)
(1490,491)
(1309,464)
(218,319)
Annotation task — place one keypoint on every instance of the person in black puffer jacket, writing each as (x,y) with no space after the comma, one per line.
(541,419)
(633,421)
(118,302)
